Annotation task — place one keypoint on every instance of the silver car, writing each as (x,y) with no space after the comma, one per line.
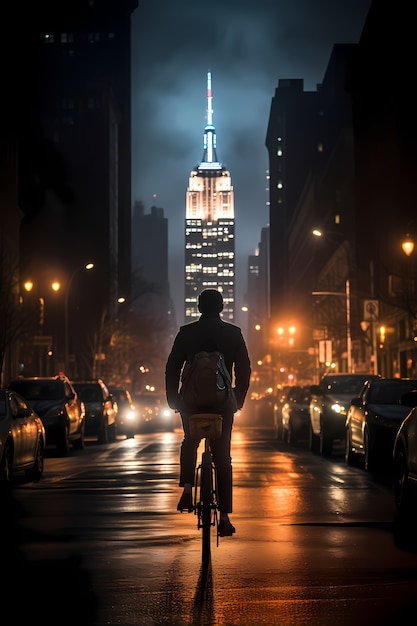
(22,438)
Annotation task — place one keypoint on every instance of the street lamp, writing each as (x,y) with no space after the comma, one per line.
(40,339)
(87,266)
(345,295)
(407,245)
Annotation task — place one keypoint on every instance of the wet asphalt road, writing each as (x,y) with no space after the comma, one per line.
(98,541)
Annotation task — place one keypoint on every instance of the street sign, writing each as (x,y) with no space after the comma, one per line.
(325,351)
(370,310)
(42,340)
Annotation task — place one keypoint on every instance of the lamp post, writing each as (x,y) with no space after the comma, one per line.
(41,340)
(345,295)
(87,266)
(407,246)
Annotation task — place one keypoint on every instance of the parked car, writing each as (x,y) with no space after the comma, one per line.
(127,413)
(329,403)
(58,405)
(373,419)
(100,409)
(405,459)
(154,413)
(281,398)
(22,438)
(263,410)
(296,415)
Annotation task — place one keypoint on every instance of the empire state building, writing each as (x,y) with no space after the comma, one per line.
(209,227)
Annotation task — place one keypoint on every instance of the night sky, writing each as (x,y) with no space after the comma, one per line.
(248,46)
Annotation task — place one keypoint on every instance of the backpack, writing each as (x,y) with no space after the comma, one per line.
(206,384)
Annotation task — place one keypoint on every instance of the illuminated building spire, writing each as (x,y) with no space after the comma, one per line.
(209,160)
(209,227)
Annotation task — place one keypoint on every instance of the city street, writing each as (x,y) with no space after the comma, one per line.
(101,543)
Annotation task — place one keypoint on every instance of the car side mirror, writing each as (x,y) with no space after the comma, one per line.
(315,390)
(409,399)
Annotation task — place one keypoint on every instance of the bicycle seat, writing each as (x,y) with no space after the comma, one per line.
(206,425)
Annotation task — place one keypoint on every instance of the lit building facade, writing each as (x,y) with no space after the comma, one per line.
(209,227)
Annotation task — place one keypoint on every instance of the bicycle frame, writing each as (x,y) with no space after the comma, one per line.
(206,426)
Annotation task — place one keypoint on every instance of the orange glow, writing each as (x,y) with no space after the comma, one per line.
(408,245)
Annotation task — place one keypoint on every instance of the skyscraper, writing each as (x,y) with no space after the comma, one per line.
(209,227)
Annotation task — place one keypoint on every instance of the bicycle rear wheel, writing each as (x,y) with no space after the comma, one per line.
(206,504)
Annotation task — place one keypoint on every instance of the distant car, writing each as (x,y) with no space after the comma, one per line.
(127,413)
(329,403)
(100,409)
(405,459)
(57,403)
(373,419)
(22,438)
(296,415)
(281,398)
(154,413)
(263,407)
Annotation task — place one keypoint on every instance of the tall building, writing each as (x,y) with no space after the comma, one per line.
(74,174)
(209,227)
(150,286)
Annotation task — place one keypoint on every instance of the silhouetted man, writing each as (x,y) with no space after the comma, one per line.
(210,332)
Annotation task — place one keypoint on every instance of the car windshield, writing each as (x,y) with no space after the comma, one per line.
(39,390)
(348,384)
(303,396)
(390,392)
(120,395)
(89,393)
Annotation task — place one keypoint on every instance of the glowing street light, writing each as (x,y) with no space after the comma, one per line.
(407,245)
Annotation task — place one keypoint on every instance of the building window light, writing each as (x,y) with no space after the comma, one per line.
(279,152)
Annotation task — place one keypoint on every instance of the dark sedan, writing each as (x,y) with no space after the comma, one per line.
(373,419)
(296,415)
(405,459)
(22,439)
(154,413)
(127,414)
(329,403)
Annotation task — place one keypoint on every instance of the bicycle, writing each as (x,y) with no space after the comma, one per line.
(206,426)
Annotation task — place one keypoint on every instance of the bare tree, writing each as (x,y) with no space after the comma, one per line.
(13,319)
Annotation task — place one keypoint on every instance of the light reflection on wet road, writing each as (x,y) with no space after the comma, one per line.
(316,541)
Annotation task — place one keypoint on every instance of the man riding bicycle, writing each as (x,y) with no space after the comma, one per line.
(210,330)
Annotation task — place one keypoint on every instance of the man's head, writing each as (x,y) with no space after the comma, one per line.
(210,302)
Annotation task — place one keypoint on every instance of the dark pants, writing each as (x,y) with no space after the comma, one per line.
(222,460)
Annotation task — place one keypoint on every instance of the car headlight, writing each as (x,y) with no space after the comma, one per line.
(130,416)
(338,408)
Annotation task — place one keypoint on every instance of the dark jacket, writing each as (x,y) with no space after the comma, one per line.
(209,333)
